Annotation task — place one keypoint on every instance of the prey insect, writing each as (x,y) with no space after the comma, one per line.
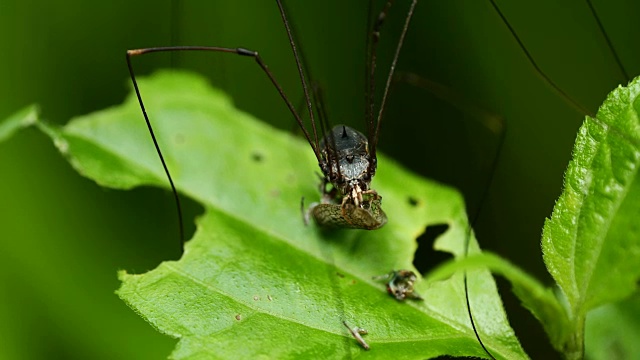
(400,284)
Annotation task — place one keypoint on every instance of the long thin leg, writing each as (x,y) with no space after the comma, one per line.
(368,77)
(157,146)
(608,40)
(374,141)
(372,47)
(237,51)
(326,130)
(302,75)
(555,86)
(494,124)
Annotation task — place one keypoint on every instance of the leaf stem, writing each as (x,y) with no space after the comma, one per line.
(574,347)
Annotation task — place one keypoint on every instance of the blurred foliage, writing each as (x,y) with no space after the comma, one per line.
(612,330)
(63,238)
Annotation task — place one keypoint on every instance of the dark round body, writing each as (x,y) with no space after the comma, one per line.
(348,166)
(346,160)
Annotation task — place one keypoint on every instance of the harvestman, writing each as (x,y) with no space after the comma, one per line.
(346,157)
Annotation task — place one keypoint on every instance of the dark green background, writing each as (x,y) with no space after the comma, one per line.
(62,237)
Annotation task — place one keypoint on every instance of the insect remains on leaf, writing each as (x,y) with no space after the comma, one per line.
(357,334)
(400,284)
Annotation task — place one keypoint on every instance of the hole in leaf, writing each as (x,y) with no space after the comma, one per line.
(155,228)
(426,258)
(257,157)
(412,201)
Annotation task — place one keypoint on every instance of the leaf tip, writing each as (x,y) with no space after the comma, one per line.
(123,275)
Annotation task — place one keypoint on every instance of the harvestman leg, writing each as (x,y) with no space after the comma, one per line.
(575,104)
(236,51)
(495,124)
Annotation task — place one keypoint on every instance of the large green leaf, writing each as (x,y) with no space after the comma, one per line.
(255,280)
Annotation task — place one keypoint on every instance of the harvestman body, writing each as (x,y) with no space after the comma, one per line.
(349,167)
(346,157)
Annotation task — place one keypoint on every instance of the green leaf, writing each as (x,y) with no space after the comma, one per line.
(21,119)
(591,244)
(254,280)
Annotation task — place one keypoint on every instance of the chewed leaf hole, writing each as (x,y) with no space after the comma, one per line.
(413,201)
(426,258)
(257,157)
